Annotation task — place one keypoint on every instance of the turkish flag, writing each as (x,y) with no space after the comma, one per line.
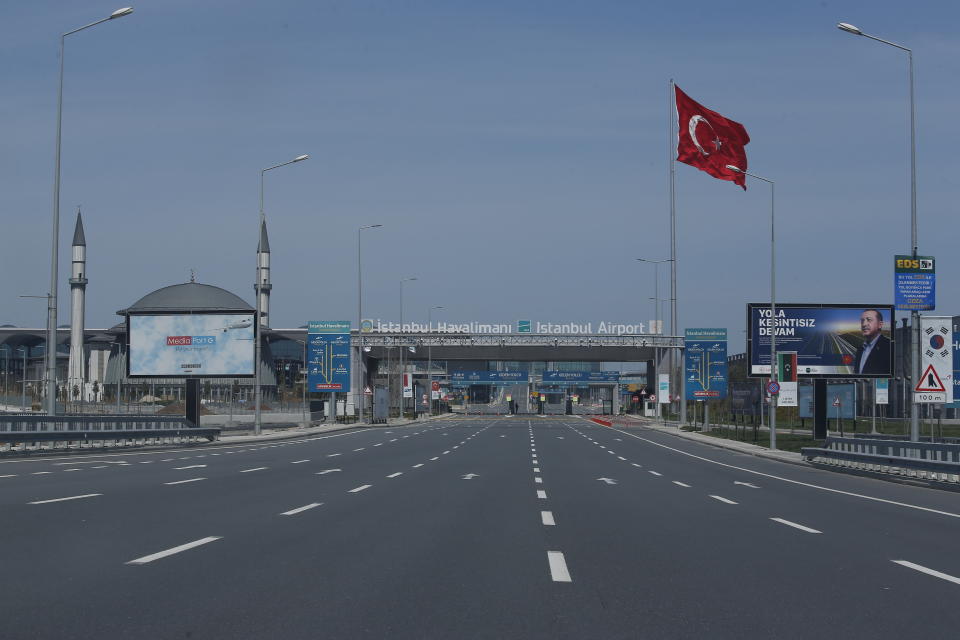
(710,142)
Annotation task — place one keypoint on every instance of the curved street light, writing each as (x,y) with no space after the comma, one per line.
(51,354)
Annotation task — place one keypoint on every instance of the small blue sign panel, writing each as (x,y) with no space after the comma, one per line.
(467,378)
(956,367)
(845,392)
(914,283)
(573,377)
(705,364)
(328,356)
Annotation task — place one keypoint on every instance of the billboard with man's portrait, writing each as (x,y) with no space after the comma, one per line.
(831,340)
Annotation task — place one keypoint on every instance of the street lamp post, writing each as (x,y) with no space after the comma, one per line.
(914,315)
(656,310)
(257,330)
(773,302)
(51,354)
(658,314)
(430,357)
(23,393)
(401,342)
(360,377)
(656,285)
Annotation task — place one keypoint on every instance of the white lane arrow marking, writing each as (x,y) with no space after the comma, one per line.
(326,471)
(746,484)
(608,480)
(470,476)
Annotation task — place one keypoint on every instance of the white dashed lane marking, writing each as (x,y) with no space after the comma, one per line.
(170,552)
(293,512)
(558,567)
(185,481)
(547,518)
(927,570)
(795,525)
(360,488)
(86,495)
(724,500)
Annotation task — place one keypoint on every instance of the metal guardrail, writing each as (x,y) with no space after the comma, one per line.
(930,460)
(893,436)
(92,422)
(76,431)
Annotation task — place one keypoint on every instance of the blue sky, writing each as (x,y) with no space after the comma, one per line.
(515,152)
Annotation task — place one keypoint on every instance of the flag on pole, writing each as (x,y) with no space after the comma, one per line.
(710,142)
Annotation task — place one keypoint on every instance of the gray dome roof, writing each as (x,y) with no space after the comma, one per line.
(188,297)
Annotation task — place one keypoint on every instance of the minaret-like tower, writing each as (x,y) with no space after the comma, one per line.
(263,272)
(78,292)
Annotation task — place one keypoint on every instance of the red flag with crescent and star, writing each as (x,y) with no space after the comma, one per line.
(710,142)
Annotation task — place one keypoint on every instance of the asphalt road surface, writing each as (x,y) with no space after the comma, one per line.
(470,528)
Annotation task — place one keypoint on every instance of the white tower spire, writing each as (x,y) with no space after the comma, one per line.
(78,288)
(263,303)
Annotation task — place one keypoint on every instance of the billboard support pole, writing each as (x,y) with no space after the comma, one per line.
(192,401)
(820,409)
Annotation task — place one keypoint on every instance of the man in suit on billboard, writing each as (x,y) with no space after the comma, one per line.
(873,356)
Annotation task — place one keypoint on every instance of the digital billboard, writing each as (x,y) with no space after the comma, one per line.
(831,341)
(179,345)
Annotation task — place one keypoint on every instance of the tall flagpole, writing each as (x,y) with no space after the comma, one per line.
(676,379)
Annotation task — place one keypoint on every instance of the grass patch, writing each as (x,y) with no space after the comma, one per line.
(785,441)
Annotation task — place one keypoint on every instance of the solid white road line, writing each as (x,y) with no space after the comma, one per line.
(802,484)
(724,500)
(547,517)
(795,525)
(185,481)
(928,571)
(192,466)
(558,567)
(360,488)
(680,484)
(299,461)
(656,474)
(294,512)
(394,475)
(417,466)
(254,469)
(170,552)
(86,495)
(542,495)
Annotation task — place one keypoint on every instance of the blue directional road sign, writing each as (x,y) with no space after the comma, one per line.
(705,364)
(328,355)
